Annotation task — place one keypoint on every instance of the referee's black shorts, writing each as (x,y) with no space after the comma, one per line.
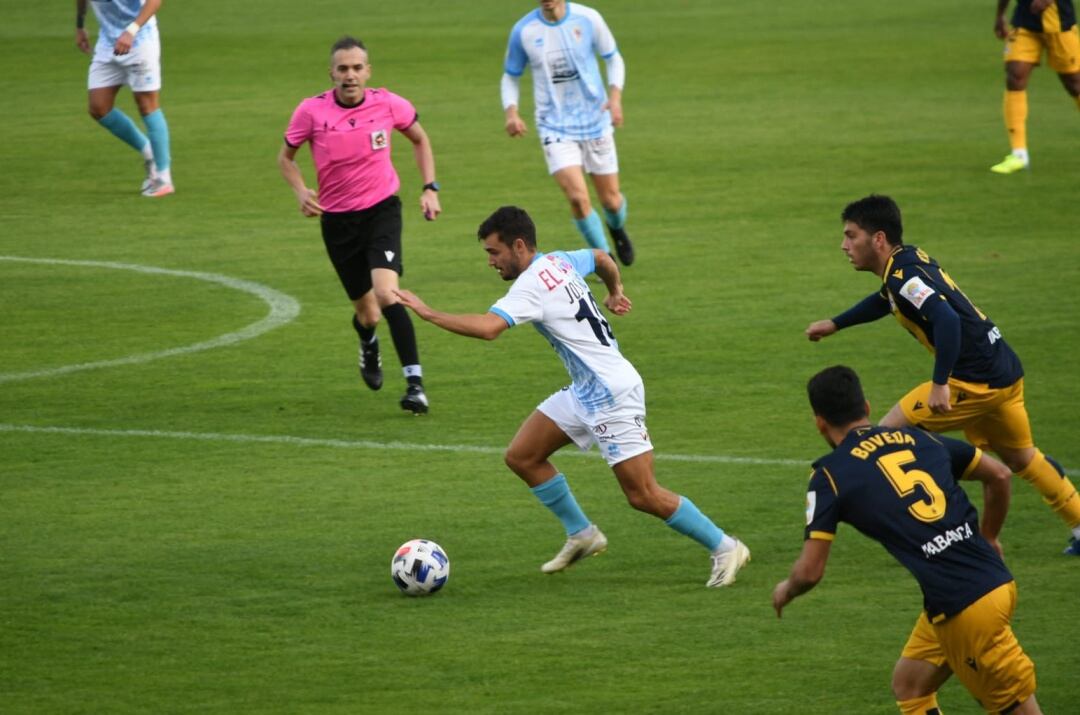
(358,241)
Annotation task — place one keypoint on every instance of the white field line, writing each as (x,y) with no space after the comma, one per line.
(283,309)
(360,444)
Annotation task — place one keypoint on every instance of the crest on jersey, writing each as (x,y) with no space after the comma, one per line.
(379,140)
(916,291)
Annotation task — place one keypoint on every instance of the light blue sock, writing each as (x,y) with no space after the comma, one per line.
(593,231)
(616,219)
(124,129)
(555,495)
(689,521)
(158,130)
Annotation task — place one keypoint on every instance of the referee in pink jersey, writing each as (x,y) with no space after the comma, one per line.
(349,130)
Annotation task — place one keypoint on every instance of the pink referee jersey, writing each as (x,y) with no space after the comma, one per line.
(351,146)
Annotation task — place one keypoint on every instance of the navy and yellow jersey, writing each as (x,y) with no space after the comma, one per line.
(913,283)
(899,487)
(1059,16)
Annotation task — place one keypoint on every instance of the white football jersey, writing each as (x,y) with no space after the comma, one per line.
(568,91)
(552,295)
(114,15)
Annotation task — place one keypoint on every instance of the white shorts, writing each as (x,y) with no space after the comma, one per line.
(597,156)
(139,69)
(620,433)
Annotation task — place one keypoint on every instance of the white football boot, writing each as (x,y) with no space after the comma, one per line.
(588,542)
(725,564)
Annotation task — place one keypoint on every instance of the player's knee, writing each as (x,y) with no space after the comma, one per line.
(643,500)
(97,112)
(369,316)
(580,203)
(516,461)
(1016,80)
(385,297)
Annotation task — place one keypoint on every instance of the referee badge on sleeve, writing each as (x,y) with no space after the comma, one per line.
(811,505)
(379,140)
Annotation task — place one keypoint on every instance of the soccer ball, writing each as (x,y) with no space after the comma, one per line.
(420,567)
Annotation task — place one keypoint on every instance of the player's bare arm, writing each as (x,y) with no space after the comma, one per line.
(608,270)
(127,38)
(806,572)
(425,163)
(614,105)
(82,40)
(996,481)
(486,326)
(1001,25)
(290,171)
(820,329)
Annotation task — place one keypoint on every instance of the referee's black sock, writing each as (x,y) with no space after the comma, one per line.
(366,334)
(401,330)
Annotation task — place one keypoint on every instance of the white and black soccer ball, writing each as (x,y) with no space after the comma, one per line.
(420,567)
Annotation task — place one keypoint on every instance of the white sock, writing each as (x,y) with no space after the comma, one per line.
(165,175)
(1021,154)
(1076,532)
(726,544)
(147,152)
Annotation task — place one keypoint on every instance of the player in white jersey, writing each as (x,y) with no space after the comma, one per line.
(605,403)
(128,52)
(575,116)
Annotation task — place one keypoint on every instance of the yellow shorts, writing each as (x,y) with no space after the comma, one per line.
(979,645)
(991,417)
(1062,48)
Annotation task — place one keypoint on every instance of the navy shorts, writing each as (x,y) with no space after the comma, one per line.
(359,241)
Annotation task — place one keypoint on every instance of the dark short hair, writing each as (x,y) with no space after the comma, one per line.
(509,223)
(346,42)
(875,213)
(837,396)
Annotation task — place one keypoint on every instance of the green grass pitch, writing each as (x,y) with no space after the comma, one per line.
(211,531)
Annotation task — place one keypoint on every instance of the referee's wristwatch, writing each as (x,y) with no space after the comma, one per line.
(433,186)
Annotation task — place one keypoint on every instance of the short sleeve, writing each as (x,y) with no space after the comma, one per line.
(822,512)
(403,111)
(962,455)
(516,59)
(521,304)
(583,260)
(603,40)
(299,129)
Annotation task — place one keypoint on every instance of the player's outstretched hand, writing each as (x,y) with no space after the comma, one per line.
(410,300)
(618,303)
(820,329)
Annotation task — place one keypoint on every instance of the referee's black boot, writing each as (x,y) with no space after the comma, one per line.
(623,247)
(371,364)
(415,400)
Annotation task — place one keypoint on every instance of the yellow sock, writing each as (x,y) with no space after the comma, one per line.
(926,705)
(1016,110)
(1057,491)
